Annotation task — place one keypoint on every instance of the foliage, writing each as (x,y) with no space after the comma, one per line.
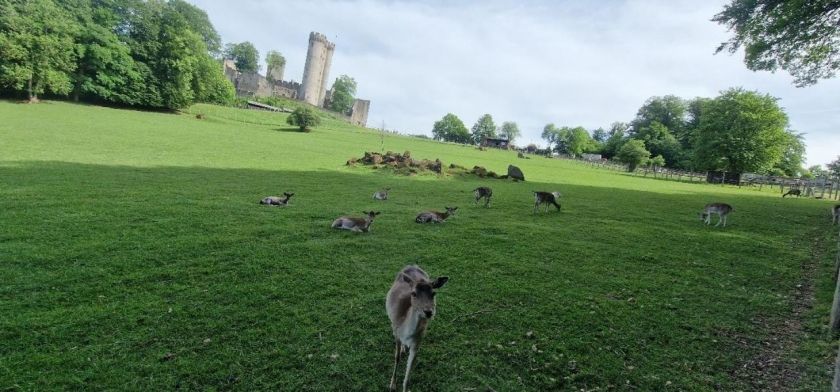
(199,23)
(800,37)
(210,85)
(599,135)
(659,141)
(451,129)
(657,161)
(661,124)
(304,118)
(817,171)
(550,134)
(343,94)
(578,141)
(274,60)
(741,131)
(483,128)
(244,55)
(833,168)
(633,153)
(615,139)
(794,154)
(37,52)
(509,131)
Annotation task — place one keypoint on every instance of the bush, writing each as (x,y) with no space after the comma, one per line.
(633,153)
(304,118)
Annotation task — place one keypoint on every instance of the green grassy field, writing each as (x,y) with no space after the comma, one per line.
(134,256)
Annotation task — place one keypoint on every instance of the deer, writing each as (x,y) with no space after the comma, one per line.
(835,214)
(277,200)
(721,209)
(483,192)
(793,192)
(546,198)
(435,216)
(358,225)
(381,195)
(410,305)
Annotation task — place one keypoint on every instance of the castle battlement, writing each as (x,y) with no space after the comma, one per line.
(316,36)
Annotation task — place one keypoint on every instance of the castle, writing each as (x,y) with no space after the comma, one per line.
(312,90)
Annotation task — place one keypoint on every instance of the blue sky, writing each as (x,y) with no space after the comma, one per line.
(571,63)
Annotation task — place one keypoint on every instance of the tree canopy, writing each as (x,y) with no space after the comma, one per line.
(273,61)
(801,37)
(244,55)
(343,94)
(633,153)
(451,129)
(483,128)
(509,131)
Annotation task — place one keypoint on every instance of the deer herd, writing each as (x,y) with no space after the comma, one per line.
(410,303)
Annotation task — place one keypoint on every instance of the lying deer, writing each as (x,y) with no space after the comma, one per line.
(793,192)
(381,195)
(410,305)
(546,198)
(483,192)
(435,216)
(835,214)
(277,200)
(721,209)
(355,224)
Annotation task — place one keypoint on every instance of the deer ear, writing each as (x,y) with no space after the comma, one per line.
(454,208)
(440,281)
(405,278)
(377,213)
(365,212)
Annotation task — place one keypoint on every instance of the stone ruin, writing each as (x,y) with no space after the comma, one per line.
(406,165)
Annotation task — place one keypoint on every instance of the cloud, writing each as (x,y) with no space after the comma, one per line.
(534,62)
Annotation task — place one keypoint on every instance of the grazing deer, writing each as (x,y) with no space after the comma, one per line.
(277,201)
(835,214)
(546,198)
(721,209)
(435,216)
(483,192)
(381,195)
(355,224)
(410,305)
(793,192)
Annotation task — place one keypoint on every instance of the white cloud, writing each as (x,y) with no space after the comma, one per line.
(534,62)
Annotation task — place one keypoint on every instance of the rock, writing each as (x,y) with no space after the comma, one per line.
(407,154)
(437,166)
(376,159)
(515,173)
(351,161)
(479,171)
(521,155)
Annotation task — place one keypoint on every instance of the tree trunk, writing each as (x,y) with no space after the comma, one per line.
(31,96)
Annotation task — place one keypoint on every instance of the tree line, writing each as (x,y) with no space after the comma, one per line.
(451,129)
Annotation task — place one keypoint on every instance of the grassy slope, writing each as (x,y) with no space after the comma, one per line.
(130,235)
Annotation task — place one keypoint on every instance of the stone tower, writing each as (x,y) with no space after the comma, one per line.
(316,73)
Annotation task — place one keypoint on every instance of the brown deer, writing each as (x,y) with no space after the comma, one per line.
(381,195)
(835,214)
(277,200)
(483,192)
(721,209)
(410,305)
(358,225)
(435,216)
(546,198)
(793,192)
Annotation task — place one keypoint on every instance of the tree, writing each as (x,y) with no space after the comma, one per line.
(633,153)
(509,131)
(210,84)
(37,51)
(661,124)
(657,161)
(550,134)
(200,24)
(578,141)
(244,55)
(741,131)
(800,37)
(793,155)
(483,128)
(274,61)
(451,129)
(817,171)
(659,141)
(599,135)
(834,168)
(303,118)
(343,92)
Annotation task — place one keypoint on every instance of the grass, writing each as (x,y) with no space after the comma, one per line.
(134,256)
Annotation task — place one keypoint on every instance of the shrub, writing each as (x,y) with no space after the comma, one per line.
(304,118)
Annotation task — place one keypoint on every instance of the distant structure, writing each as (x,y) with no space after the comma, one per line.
(313,88)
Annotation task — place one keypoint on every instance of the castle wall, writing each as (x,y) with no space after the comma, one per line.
(359,112)
(316,70)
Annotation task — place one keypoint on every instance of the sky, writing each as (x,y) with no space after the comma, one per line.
(571,63)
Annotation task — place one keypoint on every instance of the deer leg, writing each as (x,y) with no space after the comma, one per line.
(397,352)
(724,220)
(409,365)
(720,218)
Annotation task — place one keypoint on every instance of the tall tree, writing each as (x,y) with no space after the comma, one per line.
(550,134)
(483,128)
(794,154)
(274,61)
(578,141)
(244,55)
(659,141)
(633,153)
(343,94)
(509,131)
(615,140)
(741,131)
(660,123)
(834,168)
(801,37)
(599,135)
(451,129)
(37,49)
(200,24)
(818,171)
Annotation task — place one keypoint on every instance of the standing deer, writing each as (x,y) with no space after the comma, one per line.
(277,201)
(546,198)
(835,214)
(355,224)
(410,305)
(435,216)
(381,195)
(721,209)
(483,192)
(793,192)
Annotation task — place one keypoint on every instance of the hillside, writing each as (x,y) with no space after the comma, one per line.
(134,256)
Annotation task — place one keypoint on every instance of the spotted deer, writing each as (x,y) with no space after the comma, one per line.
(277,200)
(835,214)
(547,198)
(793,192)
(435,216)
(410,305)
(381,195)
(483,192)
(358,225)
(721,209)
